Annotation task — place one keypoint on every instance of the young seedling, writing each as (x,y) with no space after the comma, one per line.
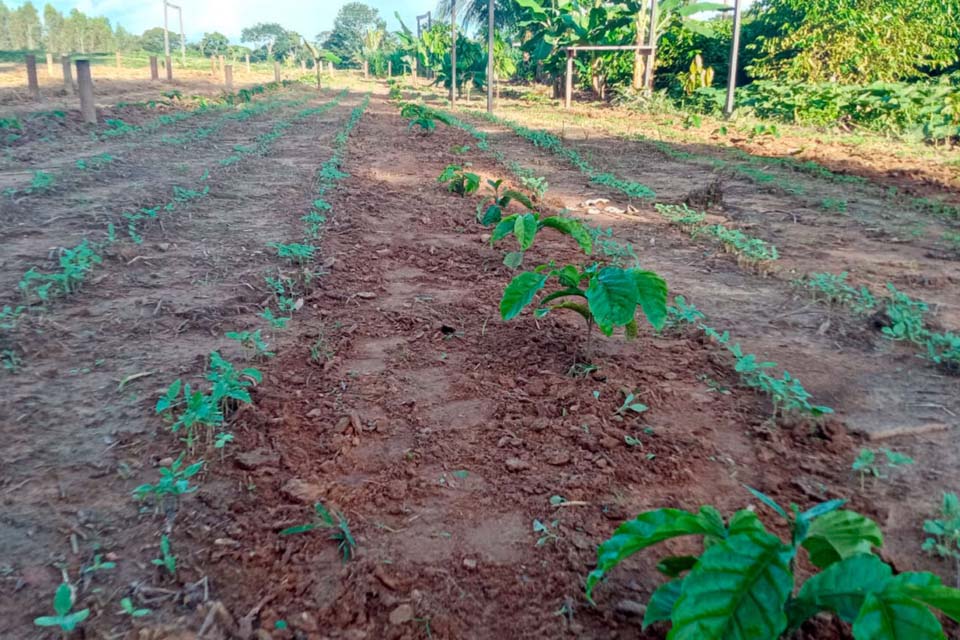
(97,565)
(946,533)
(252,340)
(275,321)
(338,526)
(490,209)
(868,463)
(127,608)
(63,601)
(174,481)
(743,584)
(166,560)
(630,405)
(458,180)
(295,252)
(545,533)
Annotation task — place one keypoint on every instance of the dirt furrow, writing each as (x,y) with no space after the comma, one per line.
(158,316)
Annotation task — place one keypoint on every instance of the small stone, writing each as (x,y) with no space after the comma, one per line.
(165,462)
(470,563)
(614,210)
(516,464)
(389,581)
(315,413)
(366,295)
(402,614)
(558,458)
(631,608)
(305,622)
(250,460)
(163,246)
(226,542)
(485,237)
(302,491)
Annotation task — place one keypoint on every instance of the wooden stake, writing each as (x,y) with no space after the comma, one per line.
(389,68)
(276,72)
(85,82)
(32,84)
(117,54)
(366,68)
(568,90)
(169,61)
(154,72)
(67,74)
(247,56)
(734,54)
(49,65)
(228,76)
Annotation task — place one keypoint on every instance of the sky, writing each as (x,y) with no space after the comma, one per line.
(229,17)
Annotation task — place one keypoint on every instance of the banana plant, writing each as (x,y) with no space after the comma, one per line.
(742,586)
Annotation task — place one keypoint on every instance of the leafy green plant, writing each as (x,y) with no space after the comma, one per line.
(10,360)
(681,215)
(751,250)
(944,349)
(75,265)
(490,209)
(166,560)
(174,481)
(252,340)
(834,289)
(336,523)
(277,322)
(127,608)
(743,584)
(295,252)
(458,180)
(98,565)
(946,532)
(680,314)
(63,601)
(906,317)
(630,405)
(868,462)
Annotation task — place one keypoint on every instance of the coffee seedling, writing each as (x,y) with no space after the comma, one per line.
(166,560)
(946,533)
(906,317)
(174,481)
(458,180)
(97,565)
(490,209)
(275,321)
(868,463)
(743,584)
(63,601)
(295,252)
(338,526)
(680,314)
(630,405)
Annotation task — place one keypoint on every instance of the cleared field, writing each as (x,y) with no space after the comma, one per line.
(296,255)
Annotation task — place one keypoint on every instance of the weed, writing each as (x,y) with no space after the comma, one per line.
(127,608)
(834,289)
(946,532)
(166,560)
(868,463)
(295,252)
(544,532)
(335,522)
(630,405)
(745,577)
(174,481)
(752,250)
(252,340)
(458,180)
(75,265)
(63,601)
(275,321)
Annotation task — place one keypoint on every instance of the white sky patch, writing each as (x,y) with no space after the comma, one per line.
(229,17)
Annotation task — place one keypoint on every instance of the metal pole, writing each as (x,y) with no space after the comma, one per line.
(490,56)
(568,91)
(734,55)
(453,52)
(166,34)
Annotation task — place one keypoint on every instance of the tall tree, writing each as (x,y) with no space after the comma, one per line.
(53,29)
(214,44)
(352,24)
(264,34)
(25,28)
(124,40)
(152,40)
(5,42)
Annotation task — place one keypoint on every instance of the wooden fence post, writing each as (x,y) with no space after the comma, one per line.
(32,84)
(221,60)
(169,69)
(154,72)
(228,76)
(49,65)
(276,72)
(366,68)
(568,90)
(117,54)
(389,68)
(67,74)
(213,66)
(248,62)
(85,82)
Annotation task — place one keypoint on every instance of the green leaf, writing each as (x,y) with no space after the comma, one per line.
(842,587)
(840,534)
(300,528)
(612,296)
(525,228)
(892,615)
(493,214)
(503,229)
(645,530)
(660,606)
(767,500)
(946,599)
(510,194)
(63,599)
(737,591)
(573,228)
(520,292)
(673,566)
(513,259)
(652,296)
